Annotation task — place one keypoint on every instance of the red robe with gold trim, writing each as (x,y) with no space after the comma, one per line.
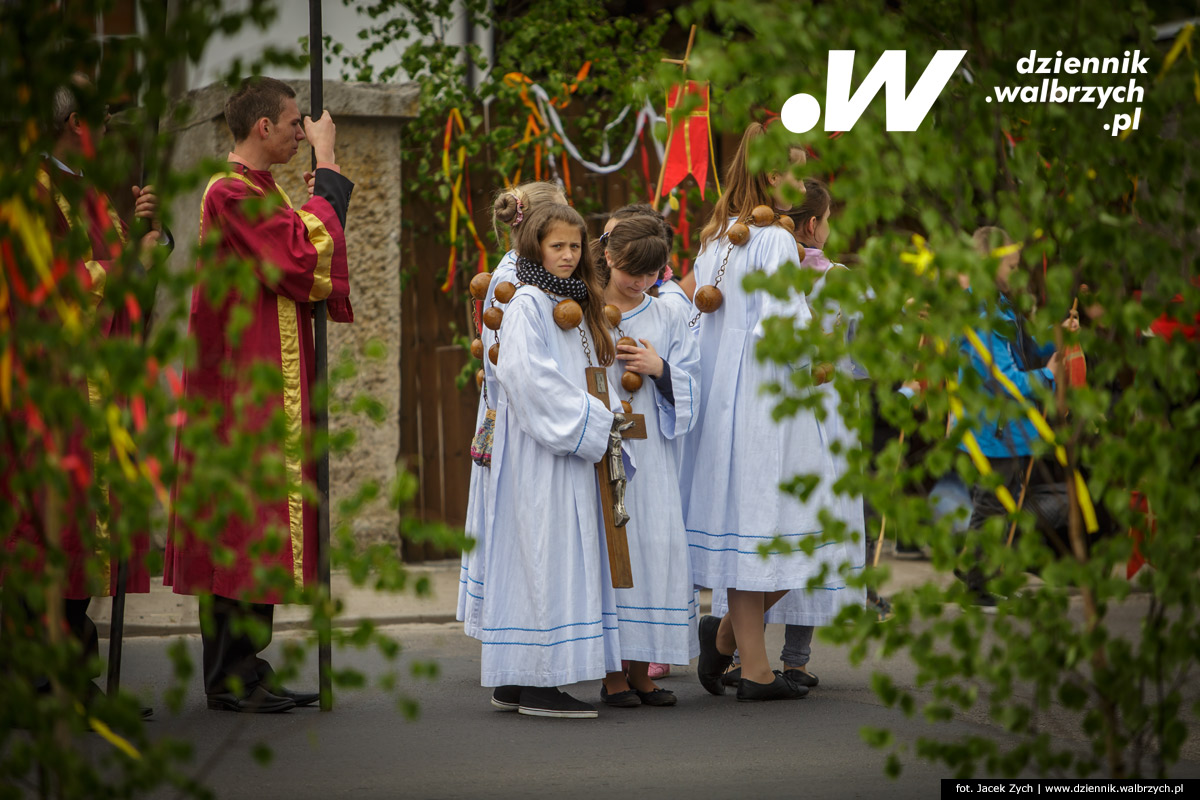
(91,569)
(299,257)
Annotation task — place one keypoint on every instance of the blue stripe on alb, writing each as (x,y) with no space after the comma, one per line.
(634,314)
(651,608)
(753,552)
(546,644)
(747,536)
(648,622)
(469,578)
(587,414)
(691,407)
(546,630)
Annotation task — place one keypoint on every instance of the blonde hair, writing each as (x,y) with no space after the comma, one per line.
(743,190)
(512,205)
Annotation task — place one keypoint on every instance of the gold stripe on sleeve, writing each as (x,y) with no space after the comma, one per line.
(322,241)
(289,360)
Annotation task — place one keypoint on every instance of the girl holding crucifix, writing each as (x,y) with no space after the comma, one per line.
(657,377)
(548,616)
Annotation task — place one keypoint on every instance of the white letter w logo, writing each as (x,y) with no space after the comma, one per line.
(801,111)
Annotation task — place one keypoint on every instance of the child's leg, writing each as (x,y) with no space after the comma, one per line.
(615,682)
(745,624)
(797,646)
(639,676)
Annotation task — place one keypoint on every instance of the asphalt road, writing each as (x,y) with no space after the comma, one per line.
(710,747)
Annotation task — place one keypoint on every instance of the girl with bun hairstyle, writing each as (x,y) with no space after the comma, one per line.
(510,208)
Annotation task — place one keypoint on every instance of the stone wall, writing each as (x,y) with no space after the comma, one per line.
(368,119)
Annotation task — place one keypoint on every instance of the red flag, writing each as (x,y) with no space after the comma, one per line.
(687,144)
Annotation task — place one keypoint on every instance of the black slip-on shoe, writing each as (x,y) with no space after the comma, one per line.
(801,677)
(547,701)
(712,664)
(626,699)
(658,697)
(259,701)
(507,698)
(779,689)
(732,677)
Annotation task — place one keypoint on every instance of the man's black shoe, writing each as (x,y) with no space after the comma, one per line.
(259,701)
(299,698)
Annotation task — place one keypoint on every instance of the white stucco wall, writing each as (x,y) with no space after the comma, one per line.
(341,22)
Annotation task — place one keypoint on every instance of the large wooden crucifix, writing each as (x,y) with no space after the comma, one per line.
(610,474)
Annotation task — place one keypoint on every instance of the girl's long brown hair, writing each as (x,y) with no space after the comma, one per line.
(528,243)
(743,190)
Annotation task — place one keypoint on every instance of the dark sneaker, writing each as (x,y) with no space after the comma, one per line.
(801,677)
(507,698)
(712,664)
(780,689)
(547,701)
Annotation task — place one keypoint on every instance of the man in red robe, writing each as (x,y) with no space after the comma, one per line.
(85,540)
(299,257)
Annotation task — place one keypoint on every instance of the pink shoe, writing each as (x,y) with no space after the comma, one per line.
(659,671)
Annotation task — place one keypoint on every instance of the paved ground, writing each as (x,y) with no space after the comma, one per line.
(460,747)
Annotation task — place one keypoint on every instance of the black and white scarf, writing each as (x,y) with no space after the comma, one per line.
(535,274)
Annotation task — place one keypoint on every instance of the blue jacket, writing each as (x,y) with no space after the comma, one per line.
(1010,437)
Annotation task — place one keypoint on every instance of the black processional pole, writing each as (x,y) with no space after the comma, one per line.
(321,409)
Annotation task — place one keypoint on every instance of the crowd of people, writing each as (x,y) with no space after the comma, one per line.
(599,371)
(702,487)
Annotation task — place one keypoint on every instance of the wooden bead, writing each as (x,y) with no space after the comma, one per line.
(631,381)
(626,407)
(494,352)
(479,378)
(708,299)
(504,291)
(477,348)
(627,340)
(762,216)
(567,314)
(738,234)
(480,284)
(612,314)
(492,318)
(787,223)
(822,373)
